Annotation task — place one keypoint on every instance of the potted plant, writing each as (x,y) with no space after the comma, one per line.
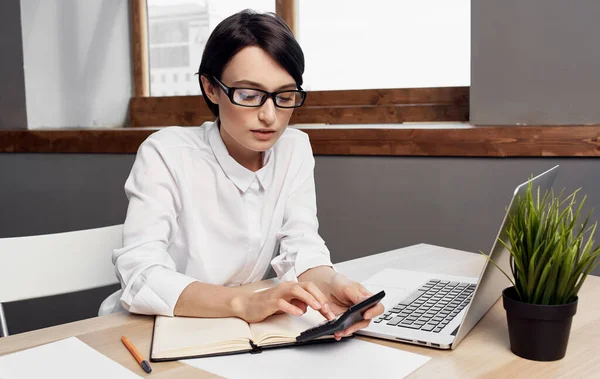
(551,255)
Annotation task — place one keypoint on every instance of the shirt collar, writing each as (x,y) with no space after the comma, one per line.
(265,174)
(238,174)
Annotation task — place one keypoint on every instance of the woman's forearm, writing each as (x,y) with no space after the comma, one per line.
(209,300)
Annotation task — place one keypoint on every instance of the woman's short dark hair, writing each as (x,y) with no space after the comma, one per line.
(248,28)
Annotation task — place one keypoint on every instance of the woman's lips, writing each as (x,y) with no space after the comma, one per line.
(263,134)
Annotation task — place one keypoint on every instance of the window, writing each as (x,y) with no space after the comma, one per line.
(177,34)
(371,62)
(169,31)
(169,57)
(357,44)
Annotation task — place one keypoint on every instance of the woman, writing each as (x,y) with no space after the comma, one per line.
(210,207)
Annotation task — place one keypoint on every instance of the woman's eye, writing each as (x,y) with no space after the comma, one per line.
(248,97)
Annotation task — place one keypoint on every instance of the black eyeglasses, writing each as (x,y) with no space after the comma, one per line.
(252,97)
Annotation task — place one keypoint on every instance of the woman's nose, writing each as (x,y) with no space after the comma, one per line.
(267,112)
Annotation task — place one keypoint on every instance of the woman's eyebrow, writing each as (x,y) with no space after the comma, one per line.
(260,86)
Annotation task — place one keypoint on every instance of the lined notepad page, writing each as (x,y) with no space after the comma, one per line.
(66,359)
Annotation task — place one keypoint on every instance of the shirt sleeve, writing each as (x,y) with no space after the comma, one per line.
(301,246)
(148,274)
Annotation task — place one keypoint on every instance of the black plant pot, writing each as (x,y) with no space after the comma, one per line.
(537,332)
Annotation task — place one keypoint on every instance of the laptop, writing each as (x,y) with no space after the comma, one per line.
(439,310)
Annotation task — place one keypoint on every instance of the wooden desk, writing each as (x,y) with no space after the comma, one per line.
(484,352)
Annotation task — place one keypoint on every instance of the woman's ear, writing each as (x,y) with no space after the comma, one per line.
(210,90)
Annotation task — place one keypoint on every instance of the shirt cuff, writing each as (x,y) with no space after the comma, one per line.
(284,266)
(307,261)
(160,293)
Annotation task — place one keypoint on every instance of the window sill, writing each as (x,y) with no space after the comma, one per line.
(384,140)
(113,140)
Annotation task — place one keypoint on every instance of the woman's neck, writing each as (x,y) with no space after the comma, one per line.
(252,160)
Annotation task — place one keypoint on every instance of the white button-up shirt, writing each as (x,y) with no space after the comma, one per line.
(195,214)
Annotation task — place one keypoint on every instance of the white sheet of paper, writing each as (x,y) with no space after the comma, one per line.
(65,359)
(347,359)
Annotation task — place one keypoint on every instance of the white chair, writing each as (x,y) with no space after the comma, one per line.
(53,264)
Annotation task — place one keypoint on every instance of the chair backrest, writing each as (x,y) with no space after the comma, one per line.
(52,264)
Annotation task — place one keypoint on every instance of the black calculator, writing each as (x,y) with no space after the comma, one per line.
(352,315)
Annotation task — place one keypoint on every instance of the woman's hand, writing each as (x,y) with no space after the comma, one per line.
(289,297)
(343,294)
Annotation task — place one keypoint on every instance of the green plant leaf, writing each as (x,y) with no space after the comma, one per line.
(550,252)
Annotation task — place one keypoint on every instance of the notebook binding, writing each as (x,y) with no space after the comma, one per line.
(255,348)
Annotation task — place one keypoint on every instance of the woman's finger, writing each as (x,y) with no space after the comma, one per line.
(300,304)
(373,312)
(352,294)
(311,288)
(353,328)
(365,291)
(286,307)
(295,291)
(325,310)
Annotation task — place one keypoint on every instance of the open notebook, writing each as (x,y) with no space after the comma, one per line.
(177,338)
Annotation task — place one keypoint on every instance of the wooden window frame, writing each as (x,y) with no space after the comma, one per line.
(371,106)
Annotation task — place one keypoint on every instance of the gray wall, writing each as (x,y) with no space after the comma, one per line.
(77,62)
(366,205)
(13,114)
(535,62)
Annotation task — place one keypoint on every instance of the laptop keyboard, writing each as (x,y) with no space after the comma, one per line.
(431,307)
